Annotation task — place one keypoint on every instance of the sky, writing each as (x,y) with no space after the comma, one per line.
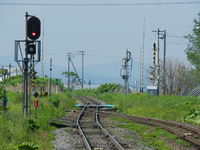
(104,32)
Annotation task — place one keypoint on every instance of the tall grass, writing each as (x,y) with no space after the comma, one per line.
(15,130)
(168,107)
(163,107)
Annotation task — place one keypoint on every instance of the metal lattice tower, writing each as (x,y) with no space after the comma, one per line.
(142,61)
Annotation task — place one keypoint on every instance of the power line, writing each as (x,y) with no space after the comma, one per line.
(176,36)
(102,4)
(90,55)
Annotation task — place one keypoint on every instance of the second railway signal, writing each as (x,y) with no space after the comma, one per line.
(31,49)
(154,54)
(33,28)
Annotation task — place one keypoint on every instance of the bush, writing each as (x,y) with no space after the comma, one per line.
(108,88)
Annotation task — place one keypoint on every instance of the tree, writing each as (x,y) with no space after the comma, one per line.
(74,78)
(178,78)
(193,46)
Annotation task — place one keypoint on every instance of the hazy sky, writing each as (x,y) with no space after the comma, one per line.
(103,32)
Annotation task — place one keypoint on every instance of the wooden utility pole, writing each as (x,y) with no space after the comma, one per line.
(68,71)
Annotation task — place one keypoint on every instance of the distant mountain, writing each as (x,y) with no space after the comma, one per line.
(98,74)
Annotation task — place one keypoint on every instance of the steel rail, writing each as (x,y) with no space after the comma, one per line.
(182,135)
(118,146)
(164,125)
(87,145)
(167,122)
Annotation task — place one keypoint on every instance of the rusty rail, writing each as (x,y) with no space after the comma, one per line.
(164,124)
(105,132)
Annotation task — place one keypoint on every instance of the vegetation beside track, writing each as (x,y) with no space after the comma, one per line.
(171,107)
(166,107)
(33,132)
(153,136)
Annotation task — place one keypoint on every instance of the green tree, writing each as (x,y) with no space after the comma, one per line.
(74,78)
(193,49)
(108,88)
(193,46)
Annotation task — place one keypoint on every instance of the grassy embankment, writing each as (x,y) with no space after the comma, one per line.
(17,132)
(171,107)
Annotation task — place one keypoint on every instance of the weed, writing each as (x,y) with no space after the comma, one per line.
(17,131)
(28,146)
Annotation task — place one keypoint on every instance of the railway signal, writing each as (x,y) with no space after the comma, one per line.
(154,54)
(126,70)
(33,28)
(31,49)
(28,57)
(153,68)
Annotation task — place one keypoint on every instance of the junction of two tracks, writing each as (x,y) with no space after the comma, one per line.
(88,120)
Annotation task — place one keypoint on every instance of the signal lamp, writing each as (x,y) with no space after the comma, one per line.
(31,49)
(33,28)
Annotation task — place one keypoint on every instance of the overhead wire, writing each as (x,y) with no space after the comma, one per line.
(176,36)
(102,4)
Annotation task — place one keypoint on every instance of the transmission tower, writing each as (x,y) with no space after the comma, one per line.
(142,61)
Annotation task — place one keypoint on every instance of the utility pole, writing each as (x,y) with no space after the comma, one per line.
(42,64)
(68,70)
(82,53)
(57,86)
(126,73)
(142,60)
(25,67)
(76,72)
(50,77)
(10,69)
(164,62)
(89,83)
(158,89)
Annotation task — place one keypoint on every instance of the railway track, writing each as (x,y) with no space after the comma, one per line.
(187,132)
(93,134)
(184,131)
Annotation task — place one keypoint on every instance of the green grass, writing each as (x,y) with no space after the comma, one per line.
(169,107)
(15,130)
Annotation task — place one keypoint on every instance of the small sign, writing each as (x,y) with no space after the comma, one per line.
(35,103)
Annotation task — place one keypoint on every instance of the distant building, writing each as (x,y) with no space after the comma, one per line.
(152,90)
